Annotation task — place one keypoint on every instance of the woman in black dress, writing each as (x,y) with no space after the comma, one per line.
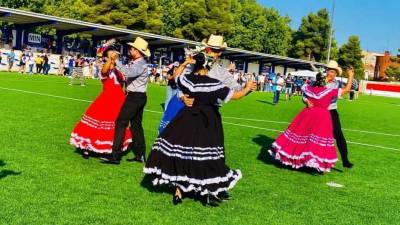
(189,154)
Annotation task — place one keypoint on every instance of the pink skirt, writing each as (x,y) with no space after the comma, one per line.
(307,142)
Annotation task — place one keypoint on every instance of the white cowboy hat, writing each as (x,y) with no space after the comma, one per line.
(141,45)
(333,65)
(215,41)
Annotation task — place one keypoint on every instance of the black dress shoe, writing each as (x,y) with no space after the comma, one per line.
(211,200)
(85,156)
(224,196)
(348,164)
(137,159)
(110,160)
(176,200)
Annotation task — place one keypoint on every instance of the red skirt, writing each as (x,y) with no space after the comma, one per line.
(95,131)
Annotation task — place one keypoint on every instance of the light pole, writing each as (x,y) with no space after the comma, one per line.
(331,32)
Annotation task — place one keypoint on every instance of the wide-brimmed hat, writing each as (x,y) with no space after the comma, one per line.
(141,45)
(333,65)
(215,41)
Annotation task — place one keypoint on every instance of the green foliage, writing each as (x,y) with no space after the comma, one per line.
(393,71)
(311,40)
(200,18)
(259,29)
(350,54)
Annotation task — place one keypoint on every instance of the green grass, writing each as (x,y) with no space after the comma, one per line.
(43,180)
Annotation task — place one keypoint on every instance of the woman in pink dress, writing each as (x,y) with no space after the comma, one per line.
(95,131)
(309,141)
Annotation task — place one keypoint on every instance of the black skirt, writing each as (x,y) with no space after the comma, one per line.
(190,153)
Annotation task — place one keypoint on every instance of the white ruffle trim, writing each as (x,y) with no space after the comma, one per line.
(312,163)
(77,141)
(195,184)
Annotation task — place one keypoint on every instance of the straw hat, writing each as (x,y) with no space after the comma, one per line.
(141,45)
(333,65)
(215,41)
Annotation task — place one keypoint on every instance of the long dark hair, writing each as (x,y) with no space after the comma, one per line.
(320,81)
(200,59)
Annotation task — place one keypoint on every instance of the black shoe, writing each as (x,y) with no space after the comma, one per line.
(176,200)
(348,164)
(211,200)
(137,159)
(85,155)
(224,196)
(110,160)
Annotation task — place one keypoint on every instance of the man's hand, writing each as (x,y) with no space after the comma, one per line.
(188,101)
(251,86)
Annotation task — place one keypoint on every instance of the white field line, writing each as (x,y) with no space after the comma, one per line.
(280,122)
(158,112)
(350,142)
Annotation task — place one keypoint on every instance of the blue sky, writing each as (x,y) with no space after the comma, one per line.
(376,22)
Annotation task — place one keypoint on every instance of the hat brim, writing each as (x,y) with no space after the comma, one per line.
(224,45)
(145,52)
(338,70)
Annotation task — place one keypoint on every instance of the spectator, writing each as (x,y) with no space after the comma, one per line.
(71,62)
(261,80)
(46,65)
(288,87)
(39,64)
(11,59)
(61,66)
(279,83)
(31,63)
(22,62)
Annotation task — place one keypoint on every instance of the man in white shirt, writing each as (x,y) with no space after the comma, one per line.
(279,85)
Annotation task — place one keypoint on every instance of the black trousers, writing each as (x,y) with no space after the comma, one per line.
(131,112)
(338,134)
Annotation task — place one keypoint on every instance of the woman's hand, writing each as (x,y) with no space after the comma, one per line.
(188,101)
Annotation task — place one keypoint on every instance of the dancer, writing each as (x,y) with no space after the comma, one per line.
(332,70)
(309,140)
(95,131)
(133,107)
(190,153)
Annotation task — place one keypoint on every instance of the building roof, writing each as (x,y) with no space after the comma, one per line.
(66,26)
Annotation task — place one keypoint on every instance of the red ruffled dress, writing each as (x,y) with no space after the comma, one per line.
(95,131)
(309,141)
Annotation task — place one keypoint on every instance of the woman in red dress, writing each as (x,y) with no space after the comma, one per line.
(95,131)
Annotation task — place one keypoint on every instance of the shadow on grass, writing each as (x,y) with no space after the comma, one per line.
(265,143)
(6,173)
(147,183)
(97,155)
(262,101)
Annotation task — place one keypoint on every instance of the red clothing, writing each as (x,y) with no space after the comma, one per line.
(95,131)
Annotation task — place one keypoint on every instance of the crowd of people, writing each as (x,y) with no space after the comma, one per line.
(189,152)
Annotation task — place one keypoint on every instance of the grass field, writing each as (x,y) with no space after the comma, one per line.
(44,181)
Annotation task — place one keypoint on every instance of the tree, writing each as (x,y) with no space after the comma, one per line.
(248,23)
(259,29)
(278,34)
(350,54)
(311,40)
(172,16)
(200,18)
(393,71)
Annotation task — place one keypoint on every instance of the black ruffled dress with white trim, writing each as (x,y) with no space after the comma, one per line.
(190,152)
